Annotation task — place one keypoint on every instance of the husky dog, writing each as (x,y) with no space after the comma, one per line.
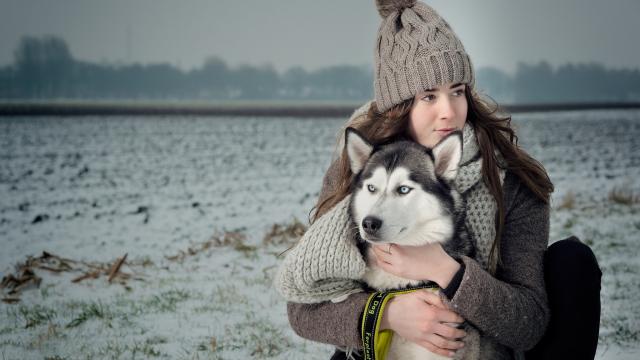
(403,194)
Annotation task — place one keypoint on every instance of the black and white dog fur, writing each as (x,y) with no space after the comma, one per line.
(403,193)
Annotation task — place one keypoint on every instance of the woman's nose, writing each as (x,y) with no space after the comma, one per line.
(446,109)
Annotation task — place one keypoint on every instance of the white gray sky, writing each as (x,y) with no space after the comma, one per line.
(320,33)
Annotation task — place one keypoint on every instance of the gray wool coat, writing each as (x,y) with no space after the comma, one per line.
(510,308)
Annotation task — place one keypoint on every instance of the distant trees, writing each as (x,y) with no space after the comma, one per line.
(44,68)
(330,83)
(496,84)
(575,83)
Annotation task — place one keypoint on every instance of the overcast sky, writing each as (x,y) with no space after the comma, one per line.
(320,33)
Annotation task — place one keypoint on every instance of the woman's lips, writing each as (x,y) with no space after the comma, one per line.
(445,131)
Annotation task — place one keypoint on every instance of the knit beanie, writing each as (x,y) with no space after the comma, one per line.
(416,50)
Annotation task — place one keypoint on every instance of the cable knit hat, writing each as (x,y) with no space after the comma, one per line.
(416,50)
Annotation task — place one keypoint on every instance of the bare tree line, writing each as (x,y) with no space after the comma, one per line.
(44,68)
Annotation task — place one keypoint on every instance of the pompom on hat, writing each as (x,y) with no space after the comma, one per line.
(385,8)
(416,50)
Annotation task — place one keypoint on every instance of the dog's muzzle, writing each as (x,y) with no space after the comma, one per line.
(371,225)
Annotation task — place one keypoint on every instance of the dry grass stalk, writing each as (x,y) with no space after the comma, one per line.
(51,262)
(15,284)
(229,238)
(89,275)
(10,300)
(287,234)
(233,239)
(116,267)
(624,196)
(568,201)
(26,275)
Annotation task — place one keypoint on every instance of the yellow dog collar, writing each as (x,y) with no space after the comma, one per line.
(375,342)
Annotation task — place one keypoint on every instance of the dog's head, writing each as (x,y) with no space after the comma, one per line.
(403,192)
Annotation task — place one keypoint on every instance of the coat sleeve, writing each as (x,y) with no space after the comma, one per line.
(327,322)
(511,307)
(331,323)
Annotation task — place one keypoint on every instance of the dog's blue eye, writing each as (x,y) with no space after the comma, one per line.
(404,190)
(371,188)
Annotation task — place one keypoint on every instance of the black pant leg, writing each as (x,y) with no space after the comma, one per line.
(572,277)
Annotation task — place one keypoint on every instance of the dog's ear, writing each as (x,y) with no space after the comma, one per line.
(358,149)
(447,154)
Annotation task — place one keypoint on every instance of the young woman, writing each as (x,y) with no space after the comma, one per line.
(424,89)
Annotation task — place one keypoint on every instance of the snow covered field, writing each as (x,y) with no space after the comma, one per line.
(190,200)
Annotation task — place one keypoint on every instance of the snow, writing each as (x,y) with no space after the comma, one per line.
(153,187)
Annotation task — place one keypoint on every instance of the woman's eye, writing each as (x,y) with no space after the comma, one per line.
(429,97)
(404,190)
(371,188)
(458,92)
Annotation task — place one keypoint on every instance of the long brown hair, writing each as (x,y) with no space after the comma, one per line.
(493,131)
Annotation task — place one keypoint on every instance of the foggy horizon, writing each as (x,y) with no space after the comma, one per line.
(332,32)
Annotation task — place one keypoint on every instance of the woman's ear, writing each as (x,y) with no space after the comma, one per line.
(447,154)
(358,148)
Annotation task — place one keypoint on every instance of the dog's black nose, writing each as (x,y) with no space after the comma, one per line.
(371,224)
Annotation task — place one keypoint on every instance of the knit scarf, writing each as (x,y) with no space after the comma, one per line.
(326,263)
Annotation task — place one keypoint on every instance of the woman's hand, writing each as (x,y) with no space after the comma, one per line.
(426,262)
(420,317)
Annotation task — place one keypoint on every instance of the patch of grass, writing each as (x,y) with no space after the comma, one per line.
(222,299)
(155,340)
(247,250)
(52,333)
(623,267)
(94,310)
(264,280)
(144,261)
(623,196)
(212,345)
(45,291)
(623,332)
(258,336)
(167,301)
(229,295)
(206,349)
(624,335)
(35,315)
(145,349)
(569,223)
(11,342)
(615,244)
(285,234)
(6,330)
(568,201)
(171,280)
(112,350)
(233,239)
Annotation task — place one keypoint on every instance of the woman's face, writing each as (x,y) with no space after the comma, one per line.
(436,113)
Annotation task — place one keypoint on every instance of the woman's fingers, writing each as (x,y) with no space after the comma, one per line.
(448,316)
(449,332)
(442,313)
(441,346)
(442,343)
(413,317)
(381,253)
(382,249)
(433,299)
(437,350)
